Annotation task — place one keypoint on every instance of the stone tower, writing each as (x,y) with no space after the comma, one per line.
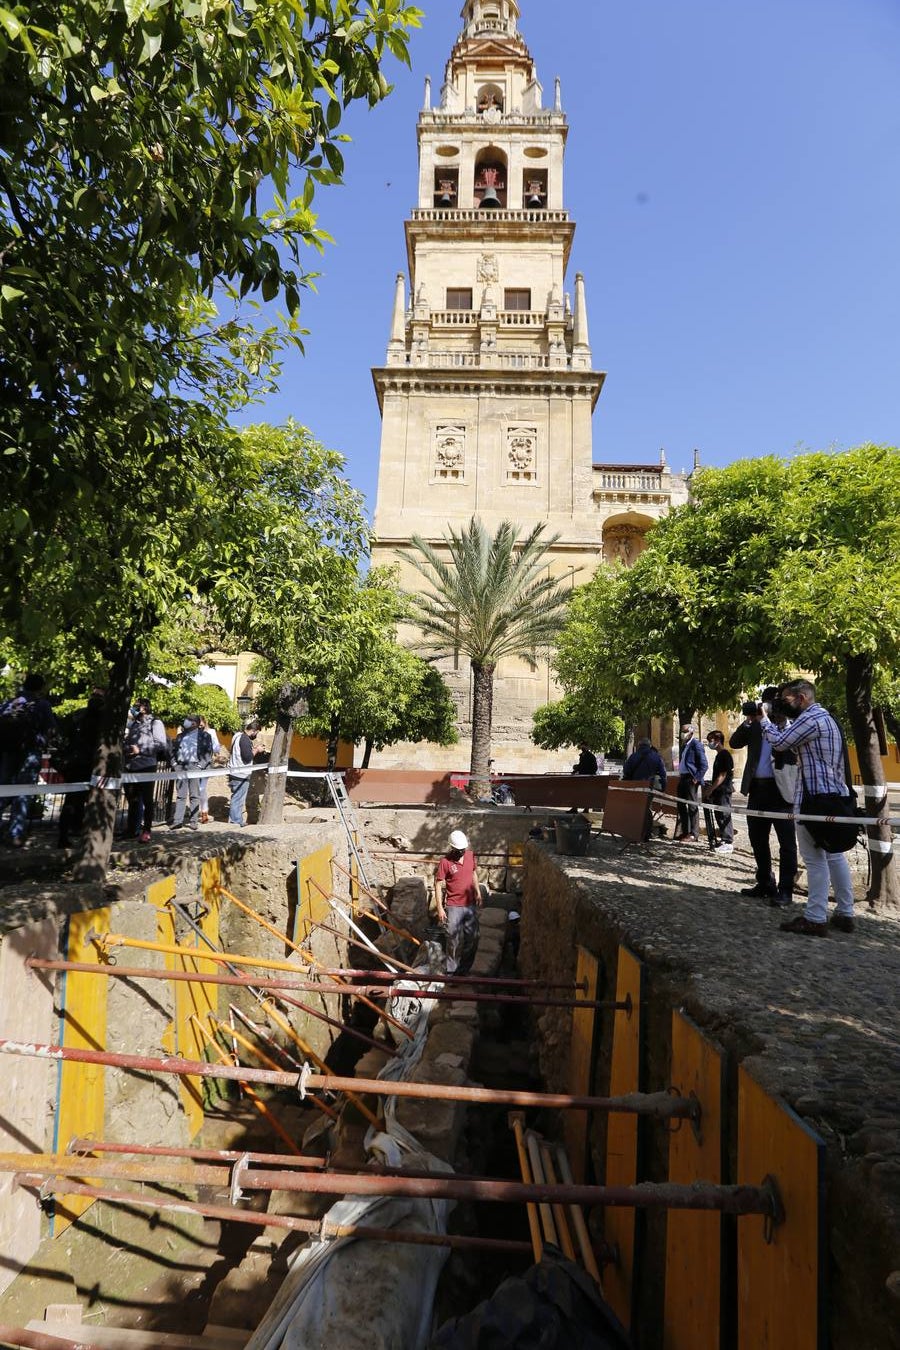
(489,384)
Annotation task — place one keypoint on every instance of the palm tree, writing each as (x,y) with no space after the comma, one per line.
(493,598)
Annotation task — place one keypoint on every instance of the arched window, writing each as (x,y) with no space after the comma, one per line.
(490,179)
(490,99)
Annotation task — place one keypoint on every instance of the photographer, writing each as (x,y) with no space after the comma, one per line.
(760,787)
(821,790)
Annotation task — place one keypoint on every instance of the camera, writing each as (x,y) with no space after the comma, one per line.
(771,696)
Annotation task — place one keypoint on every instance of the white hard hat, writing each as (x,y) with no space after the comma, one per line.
(458,840)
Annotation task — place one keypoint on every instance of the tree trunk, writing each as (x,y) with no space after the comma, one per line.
(334,730)
(100,811)
(367,754)
(271,811)
(884,890)
(482,714)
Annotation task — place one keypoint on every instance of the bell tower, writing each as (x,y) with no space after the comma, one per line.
(488,385)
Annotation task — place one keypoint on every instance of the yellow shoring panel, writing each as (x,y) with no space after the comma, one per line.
(780,1282)
(83,1027)
(581,1059)
(312,904)
(191,1000)
(693,1308)
(619,1225)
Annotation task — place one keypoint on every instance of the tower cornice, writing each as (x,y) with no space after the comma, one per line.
(487,382)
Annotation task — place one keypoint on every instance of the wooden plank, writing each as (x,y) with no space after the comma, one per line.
(120,1338)
(26,1014)
(781,1282)
(80,1099)
(581,1063)
(70,1313)
(620,1225)
(627,813)
(191,1000)
(693,1307)
(313,878)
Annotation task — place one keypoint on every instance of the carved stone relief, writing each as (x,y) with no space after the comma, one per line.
(449,452)
(488,268)
(521,454)
(622,543)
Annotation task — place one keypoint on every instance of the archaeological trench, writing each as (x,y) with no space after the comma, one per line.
(749,1195)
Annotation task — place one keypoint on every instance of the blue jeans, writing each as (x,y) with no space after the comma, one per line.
(20,812)
(239,788)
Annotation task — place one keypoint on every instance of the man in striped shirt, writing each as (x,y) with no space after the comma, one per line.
(817,738)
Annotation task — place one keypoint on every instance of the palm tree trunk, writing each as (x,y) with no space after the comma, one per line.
(884,890)
(482,714)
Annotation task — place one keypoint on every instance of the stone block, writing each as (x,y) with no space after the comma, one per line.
(409,904)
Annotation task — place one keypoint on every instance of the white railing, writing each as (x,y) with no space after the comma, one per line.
(523,318)
(455,318)
(631,482)
(451,360)
(473,360)
(533,216)
(440,117)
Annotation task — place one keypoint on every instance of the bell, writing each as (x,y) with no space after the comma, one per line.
(445,199)
(535,201)
(489,200)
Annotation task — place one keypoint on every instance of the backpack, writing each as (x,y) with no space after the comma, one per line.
(18,725)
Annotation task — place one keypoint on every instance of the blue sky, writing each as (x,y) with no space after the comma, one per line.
(734,172)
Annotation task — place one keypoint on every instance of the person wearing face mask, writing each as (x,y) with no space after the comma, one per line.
(193,751)
(821,790)
(761,786)
(720,823)
(457,897)
(692,767)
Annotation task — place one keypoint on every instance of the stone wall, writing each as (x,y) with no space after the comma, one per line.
(815,1021)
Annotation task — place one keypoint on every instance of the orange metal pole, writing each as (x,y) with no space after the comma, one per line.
(254,1097)
(308,956)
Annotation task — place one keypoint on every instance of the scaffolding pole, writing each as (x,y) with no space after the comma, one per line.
(660,1105)
(313,986)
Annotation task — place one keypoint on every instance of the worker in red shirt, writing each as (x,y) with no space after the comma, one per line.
(457,895)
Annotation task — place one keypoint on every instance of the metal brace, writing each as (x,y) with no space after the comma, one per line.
(777,1213)
(237,1171)
(303,1080)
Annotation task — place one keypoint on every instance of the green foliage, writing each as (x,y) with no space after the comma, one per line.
(282,576)
(573,721)
(775,566)
(146,158)
(493,598)
(172,703)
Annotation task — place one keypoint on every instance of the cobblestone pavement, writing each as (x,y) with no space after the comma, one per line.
(815,1020)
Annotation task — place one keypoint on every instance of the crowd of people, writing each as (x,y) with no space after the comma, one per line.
(797,764)
(31,732)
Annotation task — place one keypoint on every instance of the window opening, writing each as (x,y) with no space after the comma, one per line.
(459,297)
(516,298)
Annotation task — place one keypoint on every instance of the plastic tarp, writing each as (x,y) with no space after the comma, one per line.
(350,1293)
(554,1306)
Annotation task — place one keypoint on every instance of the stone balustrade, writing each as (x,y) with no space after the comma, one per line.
(502,215)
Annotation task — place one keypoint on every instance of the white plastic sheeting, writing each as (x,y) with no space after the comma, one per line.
(358,1294)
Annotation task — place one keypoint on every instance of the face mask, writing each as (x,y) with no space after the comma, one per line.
(711,745)
(686,736)
(188,724)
